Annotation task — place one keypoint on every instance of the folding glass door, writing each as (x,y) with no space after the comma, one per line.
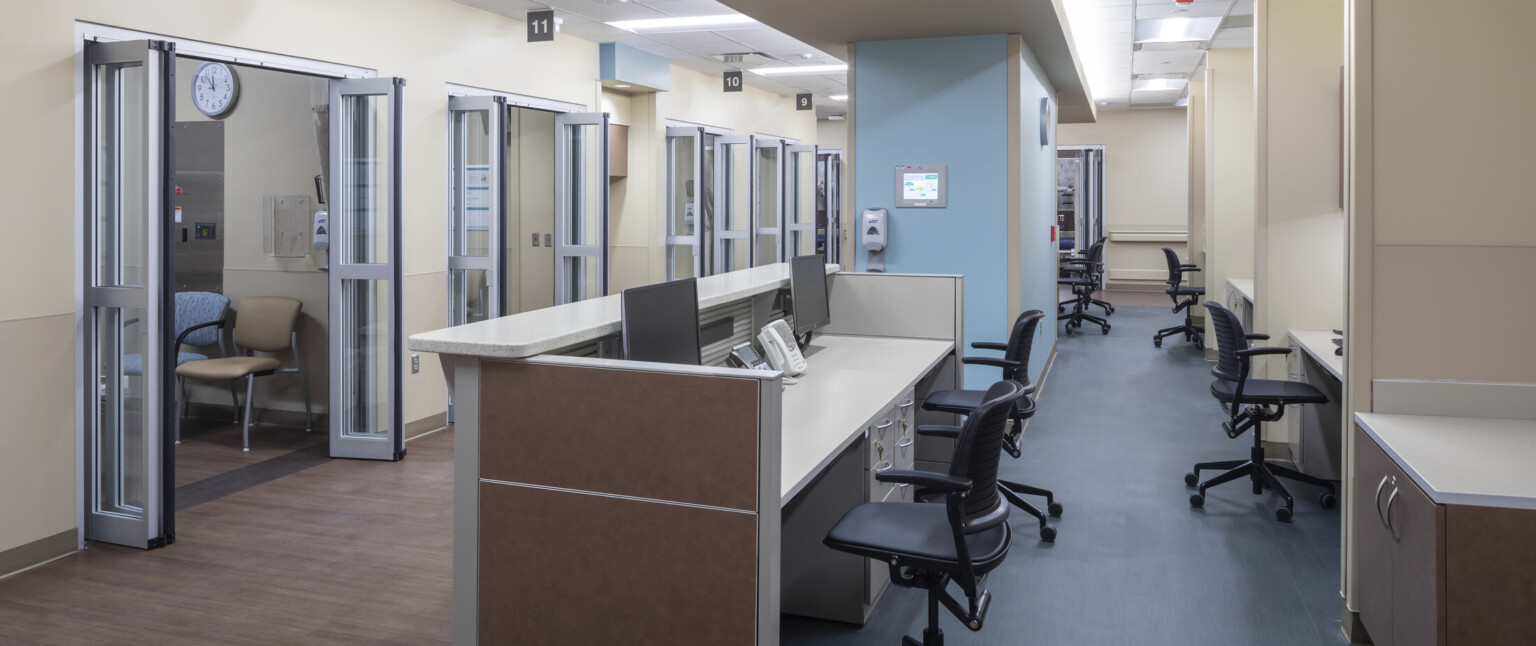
(581,206)
(477,241)
(768,201)
(365,276)
(800,200)
(126,316)
(685,202)
(735,170)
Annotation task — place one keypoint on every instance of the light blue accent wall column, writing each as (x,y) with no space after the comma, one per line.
(945,101)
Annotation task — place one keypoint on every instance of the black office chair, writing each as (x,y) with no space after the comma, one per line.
(1251,403)
(928,545)
(1191,295)
(1083,286)
(1083,264)
(1015,366)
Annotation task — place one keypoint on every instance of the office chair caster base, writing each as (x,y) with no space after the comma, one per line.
(1283,514)
(1047,534)
(1105,329)
(246,449)
(1054,509)
(1327,500)
(1197,500)
(1157,343)
(1191,479)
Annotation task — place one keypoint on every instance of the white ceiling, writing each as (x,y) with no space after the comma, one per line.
(1103,33)
(585,19)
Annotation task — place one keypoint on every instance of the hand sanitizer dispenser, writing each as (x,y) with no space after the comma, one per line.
(872,226)
(320,237)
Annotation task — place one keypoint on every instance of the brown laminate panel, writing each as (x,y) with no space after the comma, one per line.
(1418,561)
(1374,544)
(644,434)
(559,567)
(1490,572)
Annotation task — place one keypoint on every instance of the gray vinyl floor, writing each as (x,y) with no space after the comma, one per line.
(1118,424)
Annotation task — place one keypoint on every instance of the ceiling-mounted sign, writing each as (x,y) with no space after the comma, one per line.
(541,26)
(802,101)
(733,81)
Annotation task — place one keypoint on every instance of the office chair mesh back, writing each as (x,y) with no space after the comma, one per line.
(1096,251)
(1175,268)
(1020,342)
(1230,338)
(196,308)
(981,445)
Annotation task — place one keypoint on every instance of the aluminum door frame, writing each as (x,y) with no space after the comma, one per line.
(494,263)
(835,208)
(790,201)
(344,442)
(695,239)
(724,190)
(154,526)
(777,231)
(566,206)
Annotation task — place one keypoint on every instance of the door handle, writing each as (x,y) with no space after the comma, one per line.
(1379,515)
(1392,499)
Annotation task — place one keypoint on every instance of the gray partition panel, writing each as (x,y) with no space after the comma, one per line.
(896,305)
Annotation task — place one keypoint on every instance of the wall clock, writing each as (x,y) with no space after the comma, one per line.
(215,89)
(1045,121)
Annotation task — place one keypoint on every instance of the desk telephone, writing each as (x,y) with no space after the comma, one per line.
(783,352)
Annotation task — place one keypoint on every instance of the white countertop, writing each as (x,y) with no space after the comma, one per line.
(1243,286)
(1461,460)
(849,380)
(539,331)
(1318,344)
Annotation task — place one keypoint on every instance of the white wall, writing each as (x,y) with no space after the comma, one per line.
(1229,168)
(1146,189)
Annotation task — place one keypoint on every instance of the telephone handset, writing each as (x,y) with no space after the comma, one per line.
(779,344)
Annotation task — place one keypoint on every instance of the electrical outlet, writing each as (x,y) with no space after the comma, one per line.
(535,239)
(549,239)
(415,363)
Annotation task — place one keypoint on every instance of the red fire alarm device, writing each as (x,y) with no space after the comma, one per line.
(1053,233)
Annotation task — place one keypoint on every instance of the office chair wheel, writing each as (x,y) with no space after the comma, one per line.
(1054,510)
(1105,329)
(1327,500)
(1197,500)
(1157,343)
(1283,515)
(1190,479)
(1048,534)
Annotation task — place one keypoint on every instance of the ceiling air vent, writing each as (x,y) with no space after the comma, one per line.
(745,58)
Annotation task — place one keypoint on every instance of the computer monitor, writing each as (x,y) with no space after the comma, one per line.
(808,288)
(661,322)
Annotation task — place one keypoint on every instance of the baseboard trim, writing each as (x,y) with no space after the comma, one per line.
(1135,286)
(426,426)
(25,557)
(1354,631)
(1040,385)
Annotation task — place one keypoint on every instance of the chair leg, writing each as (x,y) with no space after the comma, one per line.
(181,407)
(234,398)
(309,418)
(1047,533)
(245,430)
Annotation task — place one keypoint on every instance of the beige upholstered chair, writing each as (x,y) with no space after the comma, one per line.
(263,324)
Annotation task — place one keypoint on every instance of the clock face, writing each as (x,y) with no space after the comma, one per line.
(215,89)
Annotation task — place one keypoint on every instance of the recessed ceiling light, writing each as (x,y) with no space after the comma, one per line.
(793,70)
(835,117)
(1158,84)
(621,85)
(1176,30)
(838,97)
(806,56)
(691,23)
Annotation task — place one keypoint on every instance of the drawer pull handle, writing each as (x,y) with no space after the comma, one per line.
(904,443)
(1379,515)
(884,424)
(887,466)
(1396,536)
(905,404)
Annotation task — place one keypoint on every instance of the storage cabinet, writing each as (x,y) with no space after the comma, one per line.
(1438,575)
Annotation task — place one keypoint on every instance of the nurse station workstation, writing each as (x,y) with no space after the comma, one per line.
(762,322)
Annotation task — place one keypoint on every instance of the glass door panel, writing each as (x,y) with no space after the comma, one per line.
(768,203)
(581,206)
(477,190)
(685,199)
(800,199)
(735,166)
(128,462)
(365,274)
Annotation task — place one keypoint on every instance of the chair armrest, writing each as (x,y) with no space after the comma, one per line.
(926,479)
(1256,337)
(990,361)
(938,430)
(183,337)
(1191,268)
(1255,352)
(990,345)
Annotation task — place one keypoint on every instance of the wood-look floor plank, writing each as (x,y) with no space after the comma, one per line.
(346,552)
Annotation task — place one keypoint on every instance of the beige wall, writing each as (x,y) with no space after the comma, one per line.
(832,135)
(430,43)
(531,208)
(1229,168)
(1195,250)
(1146,184)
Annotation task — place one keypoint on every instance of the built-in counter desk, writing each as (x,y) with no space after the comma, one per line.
(1240,300)
(1318,428)
(598,500)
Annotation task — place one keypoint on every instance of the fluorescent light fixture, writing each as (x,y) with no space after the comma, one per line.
(794,70)
(1158,84)
(1176,30)
(838,97)
(691,23)
(836,117)
(621,85)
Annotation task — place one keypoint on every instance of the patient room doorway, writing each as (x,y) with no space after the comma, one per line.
(240,243)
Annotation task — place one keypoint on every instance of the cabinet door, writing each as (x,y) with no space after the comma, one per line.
(1373,542)
(1417,523)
